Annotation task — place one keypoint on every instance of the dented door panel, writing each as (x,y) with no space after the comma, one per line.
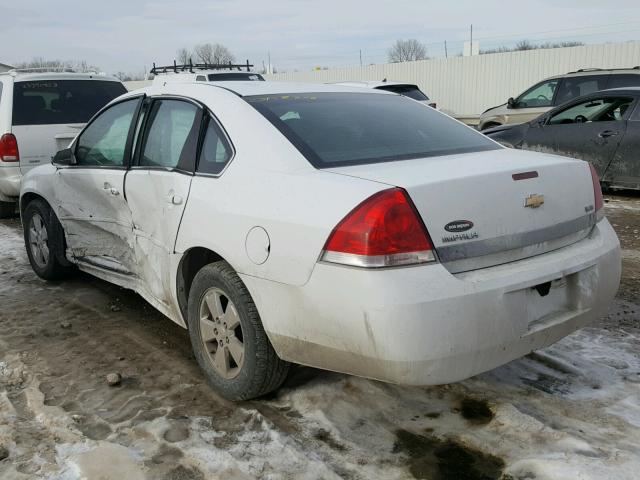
(624,169)
(157,199)
(95,215)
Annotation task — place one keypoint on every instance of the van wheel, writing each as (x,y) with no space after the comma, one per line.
(227,336)
(44,241)
(7,209)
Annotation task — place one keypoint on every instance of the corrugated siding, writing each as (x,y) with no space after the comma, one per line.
(470,85)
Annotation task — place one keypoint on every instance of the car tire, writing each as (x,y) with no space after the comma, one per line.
(227,336)
(44,241)
(7,209)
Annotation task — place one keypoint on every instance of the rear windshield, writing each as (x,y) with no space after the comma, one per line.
(47,102)
(225,77)
(340,129)
(410,91)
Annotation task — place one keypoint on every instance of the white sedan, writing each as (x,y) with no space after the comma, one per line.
(347,229)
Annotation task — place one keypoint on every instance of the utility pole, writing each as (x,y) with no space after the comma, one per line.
(269,55)
(445,50)
(471,43)
(360,58)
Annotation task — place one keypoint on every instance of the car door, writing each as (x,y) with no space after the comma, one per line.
(91,204)
(157,186)
(590,129)
(532,103)
(624,169)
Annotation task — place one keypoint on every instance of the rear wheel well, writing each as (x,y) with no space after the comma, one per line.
(192,261)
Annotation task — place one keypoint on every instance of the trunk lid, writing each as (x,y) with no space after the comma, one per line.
(480,213)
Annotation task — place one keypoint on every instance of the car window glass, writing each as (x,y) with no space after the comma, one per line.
(410,91)
(216,151)
(104,141)
(608,109)
(539,96)
(338,129)
(574,87)
(172,134)
(225,77)
(624,80)
(48,102)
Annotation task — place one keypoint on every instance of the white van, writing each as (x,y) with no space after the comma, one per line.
(40,113)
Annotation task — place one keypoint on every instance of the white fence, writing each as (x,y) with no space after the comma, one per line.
(469,85)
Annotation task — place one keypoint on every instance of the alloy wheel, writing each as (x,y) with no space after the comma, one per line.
(38,241)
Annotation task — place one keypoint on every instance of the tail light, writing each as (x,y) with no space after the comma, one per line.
(383,231)
(9,148)
(597,193)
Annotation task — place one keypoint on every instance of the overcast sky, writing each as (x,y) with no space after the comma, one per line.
(127,35)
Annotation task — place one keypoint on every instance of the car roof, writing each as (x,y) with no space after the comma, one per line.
(29,75)
(250,88)
(597,71)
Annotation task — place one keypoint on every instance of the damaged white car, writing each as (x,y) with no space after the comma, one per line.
(351,230)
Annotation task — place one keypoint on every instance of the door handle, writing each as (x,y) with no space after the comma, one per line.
(608,133)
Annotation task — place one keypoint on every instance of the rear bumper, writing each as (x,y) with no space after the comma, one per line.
(423,325)
(9,183)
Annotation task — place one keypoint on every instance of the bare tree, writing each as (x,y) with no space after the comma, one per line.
(183,56)
(523,45)
(213,53)
(43,63)
(407,51)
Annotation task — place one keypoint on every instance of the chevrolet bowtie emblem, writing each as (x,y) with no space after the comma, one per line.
(534,200)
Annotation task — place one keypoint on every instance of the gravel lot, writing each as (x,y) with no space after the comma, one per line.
(571,411)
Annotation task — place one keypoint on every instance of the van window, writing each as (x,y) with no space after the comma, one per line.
(573,87)
(225,77)
(624,80)
(47,102)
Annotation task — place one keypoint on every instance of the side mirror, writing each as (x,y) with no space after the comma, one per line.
(64,157)
(511,103)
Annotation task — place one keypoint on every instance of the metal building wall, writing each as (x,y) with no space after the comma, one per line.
(470,85)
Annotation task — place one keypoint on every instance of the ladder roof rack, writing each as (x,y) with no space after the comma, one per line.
(192,67)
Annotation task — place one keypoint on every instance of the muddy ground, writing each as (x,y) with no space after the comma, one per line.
(570,411)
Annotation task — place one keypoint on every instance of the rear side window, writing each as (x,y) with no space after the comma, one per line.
(48,102)
(225,77)
(216,151)
(410,91)
(573,87)
(339,129)
(172,135)
(624,80)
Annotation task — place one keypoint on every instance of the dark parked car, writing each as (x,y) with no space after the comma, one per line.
(602,128)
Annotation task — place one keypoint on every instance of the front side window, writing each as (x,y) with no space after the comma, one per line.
(216,151)
(609,109)
(104,141)
(574,87)
(339,129)
(539,96)
(49,102)
(172,135)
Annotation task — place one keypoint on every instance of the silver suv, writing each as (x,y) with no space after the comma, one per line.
(40,113)
(554,91)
